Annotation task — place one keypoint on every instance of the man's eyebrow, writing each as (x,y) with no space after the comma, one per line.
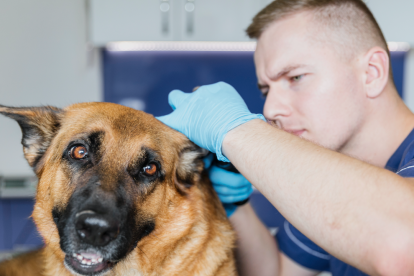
(286,70)
(283,72)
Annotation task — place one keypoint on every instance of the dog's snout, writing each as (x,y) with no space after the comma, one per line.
(96,230)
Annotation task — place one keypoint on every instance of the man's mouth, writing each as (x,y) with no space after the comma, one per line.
(296,132)
(88,263)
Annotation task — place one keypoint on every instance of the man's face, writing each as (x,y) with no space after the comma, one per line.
(311,90)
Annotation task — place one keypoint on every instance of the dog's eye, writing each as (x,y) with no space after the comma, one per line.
(78,152)
(150,169)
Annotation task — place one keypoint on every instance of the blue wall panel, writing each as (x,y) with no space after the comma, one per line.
(24,234)
(398,67)
(150,76)
(17,229)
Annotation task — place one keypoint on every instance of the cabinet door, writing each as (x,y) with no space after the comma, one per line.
(217,20)
(130,20)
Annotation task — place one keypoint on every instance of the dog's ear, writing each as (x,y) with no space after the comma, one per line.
(190,166)
(39,125)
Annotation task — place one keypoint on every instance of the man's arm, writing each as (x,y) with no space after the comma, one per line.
(362,214)
(257,252)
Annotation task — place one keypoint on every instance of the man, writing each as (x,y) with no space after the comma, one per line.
(324,68)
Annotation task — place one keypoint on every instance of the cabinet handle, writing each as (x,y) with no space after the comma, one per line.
(189,7)
(165,10)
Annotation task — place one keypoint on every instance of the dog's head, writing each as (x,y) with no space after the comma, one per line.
(108,177)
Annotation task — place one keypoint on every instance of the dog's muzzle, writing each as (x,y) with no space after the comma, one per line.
(95,231)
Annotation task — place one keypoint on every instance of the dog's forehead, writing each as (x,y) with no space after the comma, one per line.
(111,117)
(119,124)
(108,113)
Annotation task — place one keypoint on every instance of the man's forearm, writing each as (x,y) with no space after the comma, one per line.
(352,209)
(256,250)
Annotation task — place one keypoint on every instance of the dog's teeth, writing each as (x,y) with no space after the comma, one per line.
(83,261)
(74,255)
(100,259)
(94,260)
(88,262)
(79,257)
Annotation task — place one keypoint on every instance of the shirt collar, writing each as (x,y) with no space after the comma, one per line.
(394,161)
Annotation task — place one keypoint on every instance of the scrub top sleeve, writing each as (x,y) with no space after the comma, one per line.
(407,170)
(300,249)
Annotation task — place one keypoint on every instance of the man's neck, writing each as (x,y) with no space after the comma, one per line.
(387,125)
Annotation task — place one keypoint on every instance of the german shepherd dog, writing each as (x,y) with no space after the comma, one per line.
(119,193)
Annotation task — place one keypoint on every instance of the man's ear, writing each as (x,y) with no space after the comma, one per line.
(190,166)
(377,71)
(39,125)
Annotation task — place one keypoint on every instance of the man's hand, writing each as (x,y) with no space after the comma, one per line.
(206,115)
(231,187)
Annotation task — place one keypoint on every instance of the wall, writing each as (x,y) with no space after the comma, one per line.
(43,60)
(396,21)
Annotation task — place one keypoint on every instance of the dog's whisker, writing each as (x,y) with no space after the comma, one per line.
(51,233)
(143,253)
(156,237)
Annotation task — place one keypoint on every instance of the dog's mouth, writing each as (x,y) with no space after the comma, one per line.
(88,263)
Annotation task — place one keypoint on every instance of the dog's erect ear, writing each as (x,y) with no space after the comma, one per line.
(190,166)
(39,125)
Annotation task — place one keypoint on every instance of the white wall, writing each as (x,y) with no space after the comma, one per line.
(43,60)
(396,19)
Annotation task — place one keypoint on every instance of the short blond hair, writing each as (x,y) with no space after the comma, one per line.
(353,26)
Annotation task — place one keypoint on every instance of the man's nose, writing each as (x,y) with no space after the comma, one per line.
(277,104)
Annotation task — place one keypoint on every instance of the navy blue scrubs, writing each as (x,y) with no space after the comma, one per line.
(306,253)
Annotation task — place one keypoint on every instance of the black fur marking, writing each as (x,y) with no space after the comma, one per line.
(93,144)
(56,213)
(136,168)
(118,204)
(95,140)
(146,228)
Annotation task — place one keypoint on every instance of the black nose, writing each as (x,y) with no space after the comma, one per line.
(96,230)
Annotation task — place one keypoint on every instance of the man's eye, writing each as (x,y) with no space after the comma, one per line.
(296,78)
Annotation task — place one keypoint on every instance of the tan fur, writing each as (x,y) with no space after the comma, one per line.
(192,234)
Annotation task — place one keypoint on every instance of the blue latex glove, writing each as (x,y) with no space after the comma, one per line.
(230,187)
(206,115)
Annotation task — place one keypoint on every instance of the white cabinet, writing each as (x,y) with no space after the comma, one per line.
(216,20)
(171,20)
(121,20)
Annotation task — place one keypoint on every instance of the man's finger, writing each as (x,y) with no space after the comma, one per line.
(176,97)
(221,176)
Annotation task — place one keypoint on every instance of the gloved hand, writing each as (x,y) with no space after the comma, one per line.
(230,187)
(206,115)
